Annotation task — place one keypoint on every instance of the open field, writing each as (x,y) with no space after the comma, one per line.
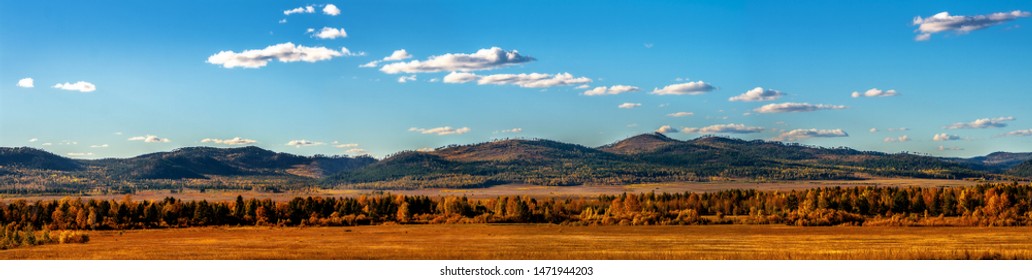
(529,190)
(522,241)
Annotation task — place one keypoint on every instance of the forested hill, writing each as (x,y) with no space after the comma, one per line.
(642,158)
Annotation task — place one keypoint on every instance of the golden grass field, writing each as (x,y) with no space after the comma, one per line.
(525,241)
(529,190)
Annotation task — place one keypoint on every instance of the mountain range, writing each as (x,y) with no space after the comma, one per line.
(642,158)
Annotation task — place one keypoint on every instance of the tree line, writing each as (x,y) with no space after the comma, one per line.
(992,204)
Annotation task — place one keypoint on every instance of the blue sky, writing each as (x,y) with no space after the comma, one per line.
(154,71)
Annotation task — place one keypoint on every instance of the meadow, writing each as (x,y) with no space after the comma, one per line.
(542,242)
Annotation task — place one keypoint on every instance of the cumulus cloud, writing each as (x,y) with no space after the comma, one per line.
(689,88)
(903,138)
(285,52)
(758,94)
(532,80)
(300,10)
(26,83)
(799,134)
(666,129)
(943,22)
(150,139)
(79,86)
(444,130)
(982,123)
(628,105)
(331,9)
(724,128)
(99,146)
(680,114)
(405,79)
(328,33)
(483,59)
(1024,132)
(789,107)
(612,90)
(945,137)
(230,141)
(875,92)
(303,143)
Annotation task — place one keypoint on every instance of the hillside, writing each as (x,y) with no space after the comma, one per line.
(31,158)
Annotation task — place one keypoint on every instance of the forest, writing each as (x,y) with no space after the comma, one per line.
(990,204)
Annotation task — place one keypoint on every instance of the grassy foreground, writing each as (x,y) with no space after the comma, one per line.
(526,241)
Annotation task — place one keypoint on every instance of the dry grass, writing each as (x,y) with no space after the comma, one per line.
(521,241)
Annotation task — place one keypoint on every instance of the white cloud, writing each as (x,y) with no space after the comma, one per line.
(483,59)
(405,79)
(582,87)
(903,138)
(150,139)
(680,114)
(283,21)
(344,145)
(689,88)
(943,21)
(300,10)
(628,105)
(758,94)
(875,92)
(444,130)
(724,128)
(873,130)
(945,137)
(612,90)
(26,83)
(370,64)
(532,80)
(356,151)
(425,150)
(899,129)
(230,141)
(329,33)
(666,129)
(303,143)
(33,140)
(99,146)
(285,52)
(331,9)
(511,130)
(80,154)
(982,123)
(401,54)
(433,80)
(799,134)
(795,107)
(1025,132)
(80,86)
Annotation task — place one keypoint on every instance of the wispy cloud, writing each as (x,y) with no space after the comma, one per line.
(405,79)
(300,10)
(680,114)
(874,92)
(903,138)
(982,123)
(612,90)
(736,128)
(397,55)
(758,94)
(532,80)
(79,154)
(945,148)
(285,52)
(230,141)
(150,139)
(511,130)
(99,146)
(483,59)
(26,83)
(444,130)
(689,88)
(943,21)
(629,105)
(33,140)
(1024,132)
(790,107)
(303,143)
(79,86)
(799,134)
